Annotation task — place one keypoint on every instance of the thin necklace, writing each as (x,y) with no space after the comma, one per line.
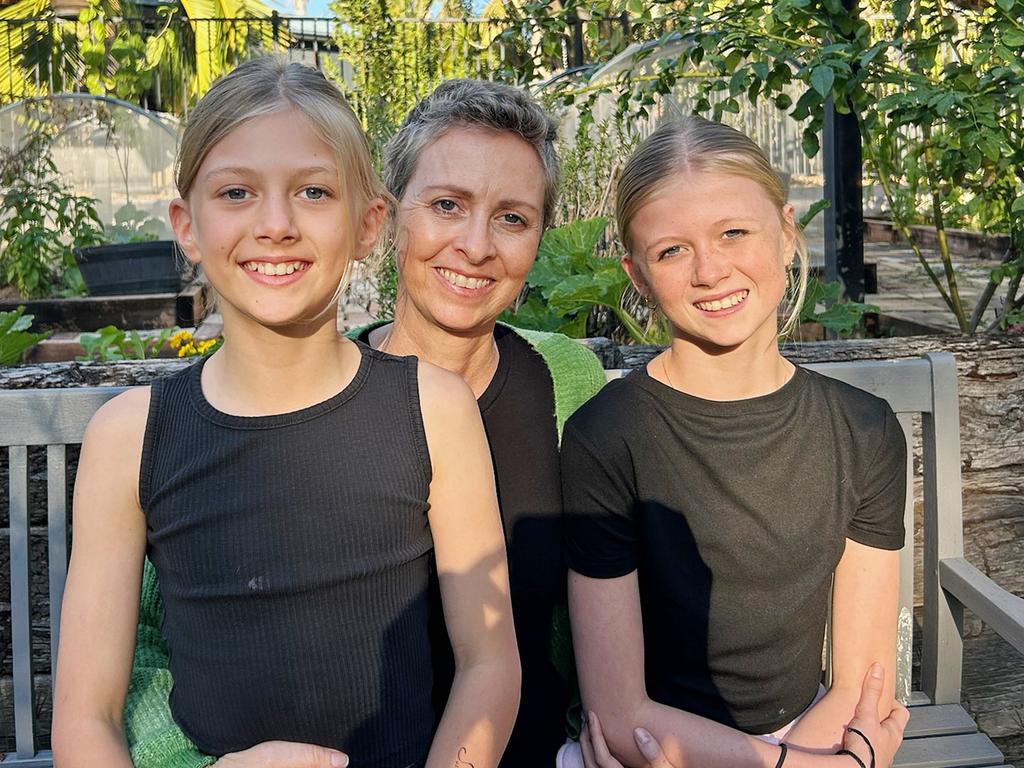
(668,377)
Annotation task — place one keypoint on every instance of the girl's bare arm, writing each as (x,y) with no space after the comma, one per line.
(864,608)
(608,638)
(101,598)
(470,552)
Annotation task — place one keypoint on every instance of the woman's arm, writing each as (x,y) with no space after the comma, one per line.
(470,552)
(608,638)
(101,599)
(864,612)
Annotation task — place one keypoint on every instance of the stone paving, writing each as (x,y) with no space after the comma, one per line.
(906,293)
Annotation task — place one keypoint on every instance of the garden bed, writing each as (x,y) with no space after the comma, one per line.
(90,313)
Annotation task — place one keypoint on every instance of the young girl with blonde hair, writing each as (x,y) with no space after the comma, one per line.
(720,497)
(292,488)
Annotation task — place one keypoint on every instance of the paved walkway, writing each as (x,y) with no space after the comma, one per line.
(906,293)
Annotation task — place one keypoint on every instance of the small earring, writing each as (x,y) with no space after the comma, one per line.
(649,302)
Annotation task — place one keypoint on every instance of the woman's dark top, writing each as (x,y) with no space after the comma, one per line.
(734,516)
(518,411)
(293,554)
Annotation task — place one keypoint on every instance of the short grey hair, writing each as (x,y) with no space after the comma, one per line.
(473,104)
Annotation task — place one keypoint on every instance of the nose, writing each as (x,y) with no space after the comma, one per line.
(475,240)
(709,267)
(275,220)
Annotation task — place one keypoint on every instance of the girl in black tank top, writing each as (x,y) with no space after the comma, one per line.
(291,490)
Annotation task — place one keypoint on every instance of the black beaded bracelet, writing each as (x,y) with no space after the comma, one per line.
(851,754)
(782,755)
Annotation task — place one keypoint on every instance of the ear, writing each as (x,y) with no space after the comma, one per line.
(789,230)
(636,276)
(370,225)
(181,223)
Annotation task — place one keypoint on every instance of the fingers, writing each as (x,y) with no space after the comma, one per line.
(285,754)
(602,757)
(650,749)
(870,693)
(585,745)
(896,722)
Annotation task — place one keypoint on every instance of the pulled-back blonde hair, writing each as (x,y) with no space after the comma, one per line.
(266,85)
(696,145)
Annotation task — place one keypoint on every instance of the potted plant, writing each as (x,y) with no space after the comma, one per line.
(133,260)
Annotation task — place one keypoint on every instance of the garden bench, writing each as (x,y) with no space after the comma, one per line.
(941,734)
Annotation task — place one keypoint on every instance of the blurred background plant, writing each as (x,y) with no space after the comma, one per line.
(43,220)
(111,343)
(15,337)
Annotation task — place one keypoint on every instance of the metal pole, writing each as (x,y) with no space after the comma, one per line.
(844,218)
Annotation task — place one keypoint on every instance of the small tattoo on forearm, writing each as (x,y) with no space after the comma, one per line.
(460,762)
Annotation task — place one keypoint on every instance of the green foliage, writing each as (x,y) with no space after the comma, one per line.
(570,279)
(110,343)
(114,54)
(939,96)
(824,304)
(386,276)
(42,220)
(133,226)
(15,336)
(400,51)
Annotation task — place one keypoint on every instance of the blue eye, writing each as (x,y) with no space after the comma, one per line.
(732,234)
(670,251)
(514,218)
(315,193)
(235,193)
(446,206)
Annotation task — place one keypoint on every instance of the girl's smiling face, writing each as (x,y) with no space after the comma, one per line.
(712,250)
(270,220)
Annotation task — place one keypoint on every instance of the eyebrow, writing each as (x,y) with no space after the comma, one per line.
(238,170)
(508,202)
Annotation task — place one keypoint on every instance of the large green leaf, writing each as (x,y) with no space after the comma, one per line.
(15,337)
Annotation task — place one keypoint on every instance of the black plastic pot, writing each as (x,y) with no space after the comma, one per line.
(111,270)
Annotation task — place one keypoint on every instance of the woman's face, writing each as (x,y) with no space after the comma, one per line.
(468,228)
(712,250)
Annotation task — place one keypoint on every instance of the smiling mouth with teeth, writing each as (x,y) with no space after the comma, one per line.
(281,268)
(729,301)
(462,281)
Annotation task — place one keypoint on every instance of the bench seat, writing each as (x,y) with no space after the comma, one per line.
(945,736)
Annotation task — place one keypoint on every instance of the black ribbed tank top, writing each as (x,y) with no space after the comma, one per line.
(293,554)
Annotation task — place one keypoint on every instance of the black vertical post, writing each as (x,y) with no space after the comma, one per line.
(844,218)
(575,19)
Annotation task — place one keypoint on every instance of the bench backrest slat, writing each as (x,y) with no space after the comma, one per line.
(905,621)
(49,416)
(56,541)
(942,643)
(21,607)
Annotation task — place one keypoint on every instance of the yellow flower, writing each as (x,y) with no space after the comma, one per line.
(181,337)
